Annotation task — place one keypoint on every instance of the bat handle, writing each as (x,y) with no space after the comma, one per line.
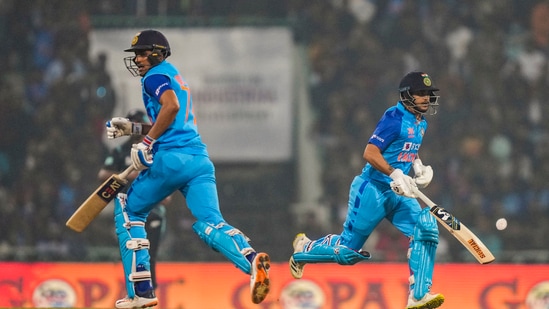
(126,172)
(423,197)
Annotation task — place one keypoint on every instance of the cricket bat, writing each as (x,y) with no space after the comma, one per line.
(465,236)
(98,200)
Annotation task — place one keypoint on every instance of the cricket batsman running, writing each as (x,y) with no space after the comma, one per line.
(171,157)
(384,191)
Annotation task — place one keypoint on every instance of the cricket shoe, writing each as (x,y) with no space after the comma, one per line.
(137,302)
(429,301)
(296,268)
(259,280)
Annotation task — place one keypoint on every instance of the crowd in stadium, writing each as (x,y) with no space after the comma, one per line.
(486,144)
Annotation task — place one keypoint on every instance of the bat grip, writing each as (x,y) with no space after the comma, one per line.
(126,172)
(423,197)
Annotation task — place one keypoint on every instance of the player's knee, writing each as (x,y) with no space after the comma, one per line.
(426,228)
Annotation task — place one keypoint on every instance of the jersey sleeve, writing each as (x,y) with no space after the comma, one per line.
(386,131)
(156,84)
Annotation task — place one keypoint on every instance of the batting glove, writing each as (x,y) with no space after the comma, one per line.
(402,184)
(141,154)
(120,126)
(423,174)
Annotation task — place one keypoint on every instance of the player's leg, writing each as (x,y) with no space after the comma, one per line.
(327,249)
(134,245)
(365,211)
(130,217)
(421,255)
(202,200)
(155,227)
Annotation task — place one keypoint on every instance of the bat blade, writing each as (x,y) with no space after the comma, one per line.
(96,202)
(464,235)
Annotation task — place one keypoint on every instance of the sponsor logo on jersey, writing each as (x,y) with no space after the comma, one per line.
(377,138)
(157,91)
(409,152)
(409,146)
(411,133)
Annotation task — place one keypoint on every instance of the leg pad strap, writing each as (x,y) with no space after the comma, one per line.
(227,240)
(137,244)
(321,253)
(132,240)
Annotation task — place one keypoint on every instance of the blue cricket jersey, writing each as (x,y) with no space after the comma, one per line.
(183,132)
(399,135)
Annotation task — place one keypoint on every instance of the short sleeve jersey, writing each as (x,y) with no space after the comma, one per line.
(183,132)
(398,135)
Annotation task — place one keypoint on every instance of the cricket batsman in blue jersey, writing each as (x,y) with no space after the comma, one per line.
(385,191)
(171,157)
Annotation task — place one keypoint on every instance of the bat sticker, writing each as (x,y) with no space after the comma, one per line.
(446,217)
(476,248)
(110,189)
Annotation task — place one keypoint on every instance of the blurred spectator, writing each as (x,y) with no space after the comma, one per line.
(491,59)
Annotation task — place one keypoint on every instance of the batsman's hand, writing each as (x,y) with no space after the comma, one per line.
(402,184)
(141,154)
(120,126)
(423,174)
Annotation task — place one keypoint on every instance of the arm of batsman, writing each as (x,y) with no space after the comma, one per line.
(120,126)
(141,154)
(423,174)
(402,184)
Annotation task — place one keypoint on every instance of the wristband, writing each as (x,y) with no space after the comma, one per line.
(137,128)
(148,141)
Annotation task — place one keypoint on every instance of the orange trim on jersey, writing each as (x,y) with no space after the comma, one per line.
(185,87)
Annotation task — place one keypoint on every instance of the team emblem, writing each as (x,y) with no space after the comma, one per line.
(426,80)
(135,39)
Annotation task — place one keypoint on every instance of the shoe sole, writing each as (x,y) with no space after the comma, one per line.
(432,304)
(146,305)
(151,304)
(261,283)
(296,269)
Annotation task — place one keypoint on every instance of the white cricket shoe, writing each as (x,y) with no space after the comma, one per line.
(136,302)
(259,280)
(429,301)
(299,243)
